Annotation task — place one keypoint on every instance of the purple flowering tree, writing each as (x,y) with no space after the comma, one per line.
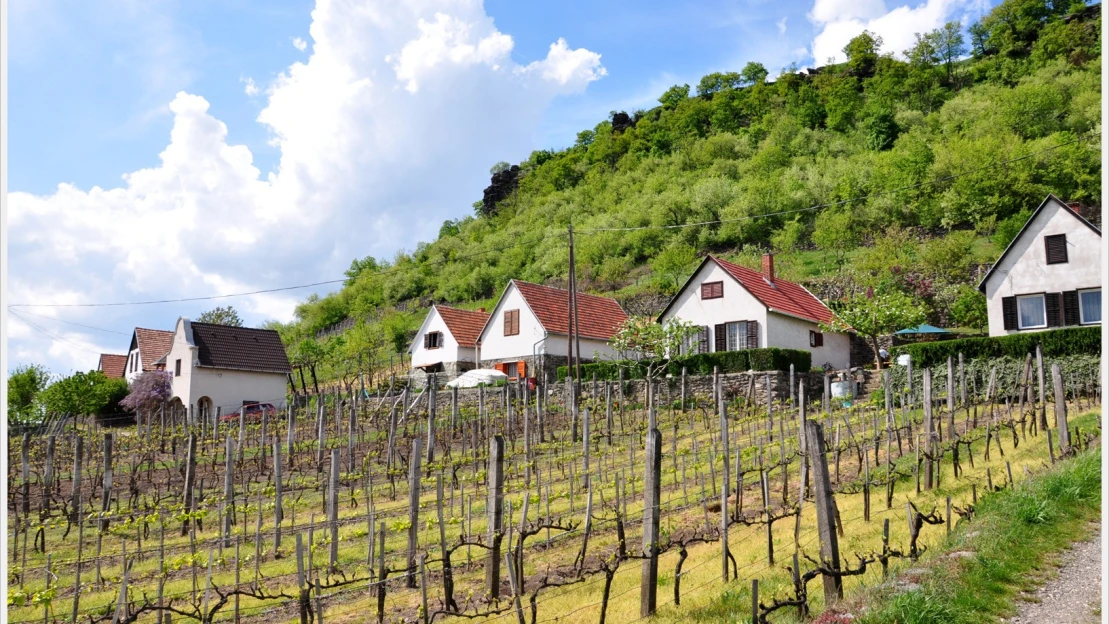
(148,391)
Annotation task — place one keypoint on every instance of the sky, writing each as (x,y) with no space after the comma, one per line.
(165,149)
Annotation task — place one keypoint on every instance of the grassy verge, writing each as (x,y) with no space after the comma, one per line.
(1013,535)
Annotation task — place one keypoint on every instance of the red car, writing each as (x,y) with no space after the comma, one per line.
(252,413)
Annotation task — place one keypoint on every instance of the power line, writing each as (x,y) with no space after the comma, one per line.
(50,334)
(110,331)
(835,203)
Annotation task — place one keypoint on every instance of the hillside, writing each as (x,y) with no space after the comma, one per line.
(880,172)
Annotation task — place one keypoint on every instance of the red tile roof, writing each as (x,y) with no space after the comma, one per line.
(113,366)
(464,325)
(781,296)
(599,317)
(154,344)
(240,348)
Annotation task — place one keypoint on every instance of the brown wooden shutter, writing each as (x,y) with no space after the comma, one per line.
(1055,248)
(703,340)
(1009,312)
(511,322)
(721,336)
(1070,308)
(1053,305)
(752,334)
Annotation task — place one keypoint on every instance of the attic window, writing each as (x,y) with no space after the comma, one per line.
(433,340)
(511,322)
(1055,247)
(712,290)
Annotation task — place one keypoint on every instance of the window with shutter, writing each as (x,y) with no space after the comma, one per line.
(522,369)
(1009,312)
(511,322)
(752,334)
(1053,305)
(721,334)
(712,290)
(703,340)
(1071,314)
(1056,248)
(1090,301)
(816,339)
(1031,312)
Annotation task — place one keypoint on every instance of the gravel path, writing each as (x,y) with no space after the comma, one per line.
(1073,596)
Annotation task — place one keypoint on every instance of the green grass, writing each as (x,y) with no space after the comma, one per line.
(1014,534)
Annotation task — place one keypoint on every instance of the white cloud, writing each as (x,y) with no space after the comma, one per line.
(841,20)
(250,88)
(392,97)
(300,44)
(781,25)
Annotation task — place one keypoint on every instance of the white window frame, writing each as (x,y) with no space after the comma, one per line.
(740,335)
(1082,308)
(1020,317)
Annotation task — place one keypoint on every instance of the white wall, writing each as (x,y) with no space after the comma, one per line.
(229,388)
(451,351)
(737,304)
(1024,270)
(128,374)
(496,346)
(187,353)
(226,388)
(787,332)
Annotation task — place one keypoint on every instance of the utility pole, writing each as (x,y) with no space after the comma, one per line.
(570,314)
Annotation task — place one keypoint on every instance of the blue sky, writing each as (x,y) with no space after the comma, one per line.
(188,135)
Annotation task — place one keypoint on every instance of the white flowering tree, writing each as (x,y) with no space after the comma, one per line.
(651,343)
(874,315)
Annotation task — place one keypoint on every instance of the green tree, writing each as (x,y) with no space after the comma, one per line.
(950,46)
(25,383)
(880,129)
(671,266)
(83,394)
(653,343)
(862,53)
(499,167)
(834,232)
(969,309)
(221,316)
(753,74)
(874,315)
(788,238)
(674,95)
(948,257)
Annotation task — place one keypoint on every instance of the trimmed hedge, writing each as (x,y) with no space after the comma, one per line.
(768,359)
(1055,343)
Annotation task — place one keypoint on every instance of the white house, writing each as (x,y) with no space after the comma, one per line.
(527,331)
(224,367)
(447,340)
(1049,276)
(739,308)
(147,347)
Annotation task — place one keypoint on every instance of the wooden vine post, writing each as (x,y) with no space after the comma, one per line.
(825,510)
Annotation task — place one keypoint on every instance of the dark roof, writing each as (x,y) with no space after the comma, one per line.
(153,345)
(240,348)
(783,296)
(464,325)
(598,317)
(1036,213)
(113,366)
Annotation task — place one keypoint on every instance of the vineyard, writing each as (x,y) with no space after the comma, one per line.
(515,505)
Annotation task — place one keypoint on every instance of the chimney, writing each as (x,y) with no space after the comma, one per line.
(768,267)
(482,310)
